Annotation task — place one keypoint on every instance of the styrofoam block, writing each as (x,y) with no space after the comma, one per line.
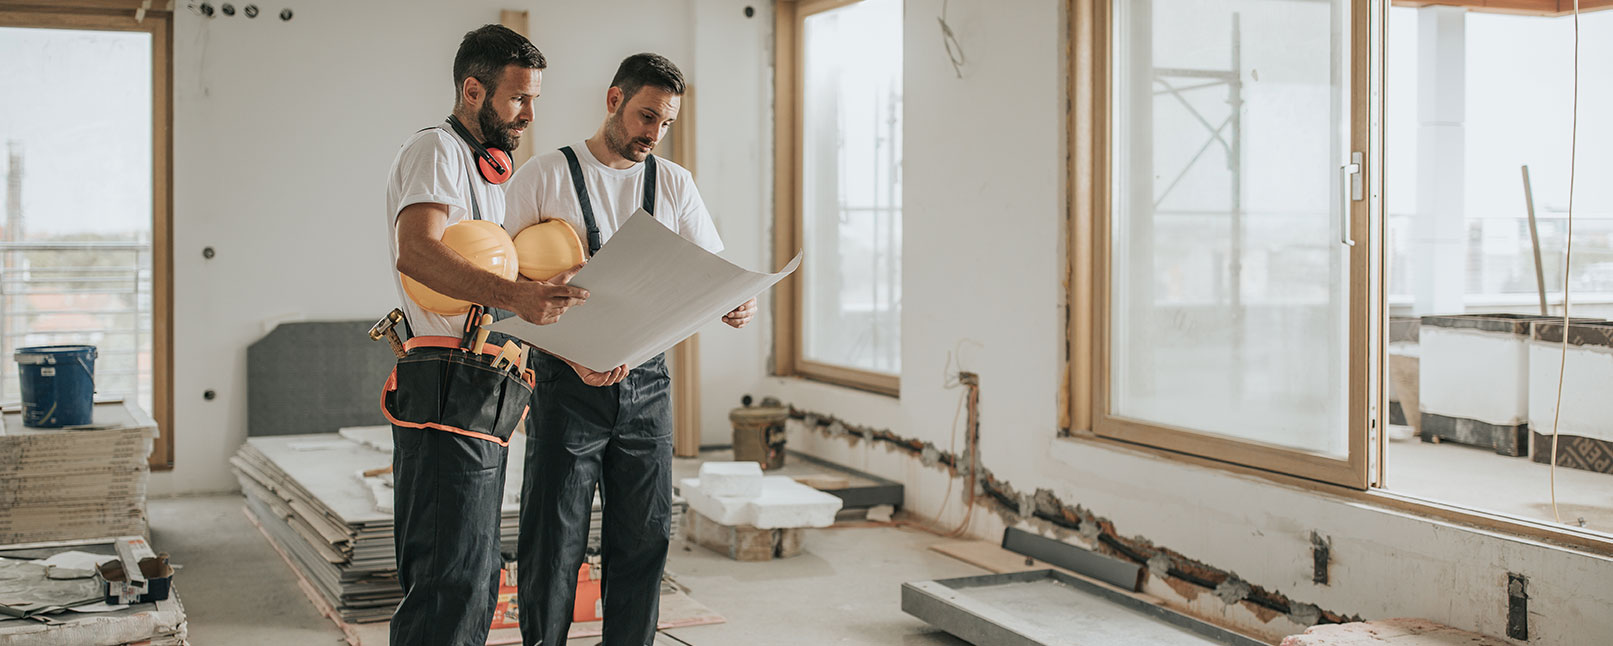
(787,503)
(726,510)
(783,503)
(739,479)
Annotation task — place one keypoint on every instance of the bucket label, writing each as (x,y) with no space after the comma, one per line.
(47,371)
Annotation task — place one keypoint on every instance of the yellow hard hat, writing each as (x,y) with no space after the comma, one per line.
(548,248)
(483,243)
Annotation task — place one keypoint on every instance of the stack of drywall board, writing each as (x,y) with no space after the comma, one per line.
(308,494)
(83,482)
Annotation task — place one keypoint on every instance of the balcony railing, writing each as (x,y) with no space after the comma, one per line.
(71,292)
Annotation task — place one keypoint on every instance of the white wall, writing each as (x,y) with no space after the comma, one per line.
(983,264)
(733,167)
(283,134)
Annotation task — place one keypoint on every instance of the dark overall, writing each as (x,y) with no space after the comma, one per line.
(579,436)
(452,416)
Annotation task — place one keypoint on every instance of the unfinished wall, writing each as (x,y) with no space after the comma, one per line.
(733,167)
(283,134)
(983,264)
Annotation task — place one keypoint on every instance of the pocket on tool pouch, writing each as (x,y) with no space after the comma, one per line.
(457,392)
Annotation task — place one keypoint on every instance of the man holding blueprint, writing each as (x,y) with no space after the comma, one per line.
(603,425)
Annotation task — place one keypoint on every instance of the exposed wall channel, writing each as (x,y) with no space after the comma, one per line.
(1187,576)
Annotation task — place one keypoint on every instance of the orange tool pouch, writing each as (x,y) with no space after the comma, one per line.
(439,386)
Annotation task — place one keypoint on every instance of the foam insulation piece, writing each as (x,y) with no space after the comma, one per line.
(783,503)
(735,479)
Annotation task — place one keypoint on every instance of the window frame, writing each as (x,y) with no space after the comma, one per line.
(789,15)
(133,15)
(1090,273)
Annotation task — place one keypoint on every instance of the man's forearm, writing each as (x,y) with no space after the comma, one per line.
(436,266)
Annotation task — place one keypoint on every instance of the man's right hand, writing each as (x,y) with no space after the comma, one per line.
(543,302)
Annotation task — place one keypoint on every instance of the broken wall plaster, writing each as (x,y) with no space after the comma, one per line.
(1044,505)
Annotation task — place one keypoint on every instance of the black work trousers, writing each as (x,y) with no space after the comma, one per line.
(448,489)
(579,436)
(452,414)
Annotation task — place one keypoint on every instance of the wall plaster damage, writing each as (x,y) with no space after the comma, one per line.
(1188,577)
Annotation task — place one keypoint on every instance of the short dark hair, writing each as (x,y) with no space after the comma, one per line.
(487,50)
(654,70)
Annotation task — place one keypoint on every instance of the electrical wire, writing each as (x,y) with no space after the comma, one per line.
(1568,255)
(950,42)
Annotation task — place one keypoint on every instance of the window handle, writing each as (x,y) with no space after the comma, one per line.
(1351,176)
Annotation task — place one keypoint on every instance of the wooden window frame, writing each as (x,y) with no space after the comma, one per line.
(1090,272)
(787,221)
(1088,131)
(157,20)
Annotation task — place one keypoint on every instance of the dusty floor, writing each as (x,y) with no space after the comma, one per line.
(845,588)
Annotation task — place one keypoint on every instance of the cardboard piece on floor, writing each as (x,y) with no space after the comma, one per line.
(992,557)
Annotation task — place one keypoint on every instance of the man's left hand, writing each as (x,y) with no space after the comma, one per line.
(741,315)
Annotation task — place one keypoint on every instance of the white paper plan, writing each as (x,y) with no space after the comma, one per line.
(648,289)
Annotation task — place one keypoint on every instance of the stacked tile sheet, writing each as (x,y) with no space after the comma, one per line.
(309,495)
(84,482)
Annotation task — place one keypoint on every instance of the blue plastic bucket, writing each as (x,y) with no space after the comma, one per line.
(58,385)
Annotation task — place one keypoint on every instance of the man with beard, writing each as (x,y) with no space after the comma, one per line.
(607,429)
(449,424)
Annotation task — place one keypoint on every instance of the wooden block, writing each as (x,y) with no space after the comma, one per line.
(743,542)
(823,482)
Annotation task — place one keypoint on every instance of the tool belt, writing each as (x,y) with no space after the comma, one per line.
(438,385)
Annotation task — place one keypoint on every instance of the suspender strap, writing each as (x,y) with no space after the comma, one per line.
(582,200)
(475,209)
(649,184)
(587,205)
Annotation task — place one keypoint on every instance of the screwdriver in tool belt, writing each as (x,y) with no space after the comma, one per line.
(473,320)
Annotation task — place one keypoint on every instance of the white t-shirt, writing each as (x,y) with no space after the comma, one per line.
(435,166)
(542,190)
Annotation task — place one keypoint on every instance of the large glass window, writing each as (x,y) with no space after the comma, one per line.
(85,156)
(76,263)
(1231,232)
(848,174)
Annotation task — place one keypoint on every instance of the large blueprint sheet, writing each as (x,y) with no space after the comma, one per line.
(648,289)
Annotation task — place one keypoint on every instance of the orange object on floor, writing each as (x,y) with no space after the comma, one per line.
(589,606)
(507,614)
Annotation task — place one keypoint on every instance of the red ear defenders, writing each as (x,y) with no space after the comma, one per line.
(494,163)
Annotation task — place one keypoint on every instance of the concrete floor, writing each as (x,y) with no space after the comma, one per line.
(1478,478)
(845,588)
